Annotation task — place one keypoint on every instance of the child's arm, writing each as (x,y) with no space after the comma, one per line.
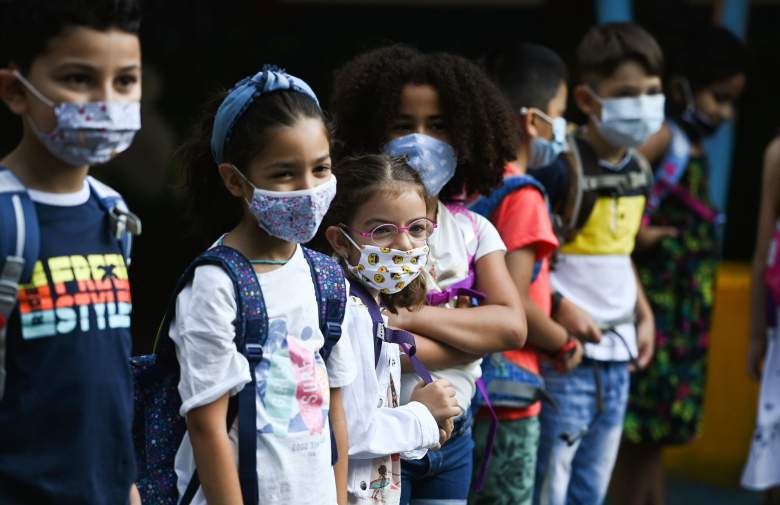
(499,324)
(135,497)
(645,326)
(214,453)
(770,190)
(437,356)
(338,422)
(654,150)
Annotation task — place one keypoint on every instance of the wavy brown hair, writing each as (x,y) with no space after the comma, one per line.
(361,178)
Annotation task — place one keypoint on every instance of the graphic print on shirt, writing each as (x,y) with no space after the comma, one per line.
(386,473)
(292,383)
(75,293)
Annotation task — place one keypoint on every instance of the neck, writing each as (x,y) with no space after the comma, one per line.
(604,150)
(254,243)
(38,169)
(521,155)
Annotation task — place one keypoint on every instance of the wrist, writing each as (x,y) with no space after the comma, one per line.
(566,350)
(555,304)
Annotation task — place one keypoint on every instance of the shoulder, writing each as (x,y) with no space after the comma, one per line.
(101,189)
(9,183)
(655,148)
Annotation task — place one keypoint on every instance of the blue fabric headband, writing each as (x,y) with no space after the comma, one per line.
(241,97)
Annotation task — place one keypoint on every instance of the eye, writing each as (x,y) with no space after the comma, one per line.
(76,79)
(384,230)
(126,81)
(282,175)
(401,126)
(436,125)
(722,98)
(321,169)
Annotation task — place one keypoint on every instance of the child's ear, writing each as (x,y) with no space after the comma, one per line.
(337,241)
(585,100)
(11,92)
(527,125)
(233,182)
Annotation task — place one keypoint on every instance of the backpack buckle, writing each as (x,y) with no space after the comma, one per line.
(333,330)
(124,221)
(253,352)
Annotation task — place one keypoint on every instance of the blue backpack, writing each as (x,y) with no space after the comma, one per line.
(508,384)
(158,428)
(20,240)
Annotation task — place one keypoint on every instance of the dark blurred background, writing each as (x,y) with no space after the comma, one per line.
(193,48)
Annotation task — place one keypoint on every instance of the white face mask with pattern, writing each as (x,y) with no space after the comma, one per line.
(387,270)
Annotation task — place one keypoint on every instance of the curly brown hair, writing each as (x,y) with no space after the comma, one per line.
(359,178)
(477,118)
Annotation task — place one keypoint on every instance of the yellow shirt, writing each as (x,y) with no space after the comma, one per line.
(611,227)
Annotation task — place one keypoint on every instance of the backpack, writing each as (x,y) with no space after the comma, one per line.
(20,240)
(667,179)
(158,428)
(586,182)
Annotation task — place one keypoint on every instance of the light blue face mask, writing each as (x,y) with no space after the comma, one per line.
(432,159)
(543,151)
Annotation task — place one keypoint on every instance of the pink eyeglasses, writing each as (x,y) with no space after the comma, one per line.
(383,235)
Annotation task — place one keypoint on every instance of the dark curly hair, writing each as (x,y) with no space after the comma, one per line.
(478,119)
(359,178)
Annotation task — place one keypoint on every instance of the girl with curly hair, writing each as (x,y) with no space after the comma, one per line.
(455,129)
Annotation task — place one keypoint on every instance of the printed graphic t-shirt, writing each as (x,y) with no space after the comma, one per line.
(293,397)
(65,419)
(523,220)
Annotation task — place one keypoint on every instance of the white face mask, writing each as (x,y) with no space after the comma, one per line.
(87,133)
(543,151)
(629,121)
(387,270)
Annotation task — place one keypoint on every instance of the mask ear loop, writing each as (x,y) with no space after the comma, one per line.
(27,84)
(343,232)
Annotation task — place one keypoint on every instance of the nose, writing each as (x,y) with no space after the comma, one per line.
(402,242)
(308,181)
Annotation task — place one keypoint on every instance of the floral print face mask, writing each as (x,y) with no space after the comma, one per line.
(385,269)
(88,133)
(293,216)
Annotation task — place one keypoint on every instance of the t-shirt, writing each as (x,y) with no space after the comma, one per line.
(65,419)
(293,440)
(380,432)
(461,237)
(594,270)
(523,220)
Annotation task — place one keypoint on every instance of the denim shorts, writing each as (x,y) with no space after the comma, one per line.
(441,477)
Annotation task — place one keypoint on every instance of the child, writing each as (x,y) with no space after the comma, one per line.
(378,196)
(676,257)
(66,408)
(264,154)
(424,103)
(762,471)
(619,91)
(533,78)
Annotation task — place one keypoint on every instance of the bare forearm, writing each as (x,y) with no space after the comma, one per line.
(543,332)
(436,355)
(338,422)
(475,330)
(216,465)
(644,311)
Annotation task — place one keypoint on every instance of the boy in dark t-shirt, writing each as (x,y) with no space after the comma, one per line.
(73,78)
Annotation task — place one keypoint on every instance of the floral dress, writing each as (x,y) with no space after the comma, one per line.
(678,276)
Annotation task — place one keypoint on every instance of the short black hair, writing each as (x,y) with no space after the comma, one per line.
(529,75)
(29,25)
(605,47)
(478,119)
(712,53)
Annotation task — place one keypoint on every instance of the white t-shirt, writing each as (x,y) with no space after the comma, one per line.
(380,431)
(293,439)
(459,237)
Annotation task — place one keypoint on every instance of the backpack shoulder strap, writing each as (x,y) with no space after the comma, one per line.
(331,292)
(19,248)
(671,169)
(251,325)
(384,334)
(124,224)
(487,205)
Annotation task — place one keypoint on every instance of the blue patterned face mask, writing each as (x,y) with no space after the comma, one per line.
(431,158)
(87,133)
(543,151)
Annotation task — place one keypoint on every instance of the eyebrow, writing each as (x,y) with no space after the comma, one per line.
(89,67)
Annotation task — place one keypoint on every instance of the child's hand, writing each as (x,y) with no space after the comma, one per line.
(645,342)
(439,397)
(445,431)
(577,322)
(574,359)
(649,236)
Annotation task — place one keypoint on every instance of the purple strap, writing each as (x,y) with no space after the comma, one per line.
(384,334)
(703,210)
(480,480)
(462,288)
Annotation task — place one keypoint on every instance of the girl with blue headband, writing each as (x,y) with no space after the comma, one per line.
(259,176)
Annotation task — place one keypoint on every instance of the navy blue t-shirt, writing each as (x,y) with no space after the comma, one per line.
(65,419)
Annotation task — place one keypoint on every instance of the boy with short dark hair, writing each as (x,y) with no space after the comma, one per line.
(534,80)
(73,77)
(599,190)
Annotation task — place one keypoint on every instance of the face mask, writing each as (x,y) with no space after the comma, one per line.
(293,216)
(431,158)
(543,151)
(699,123)
(387,270)
(629,121)
(88,133)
